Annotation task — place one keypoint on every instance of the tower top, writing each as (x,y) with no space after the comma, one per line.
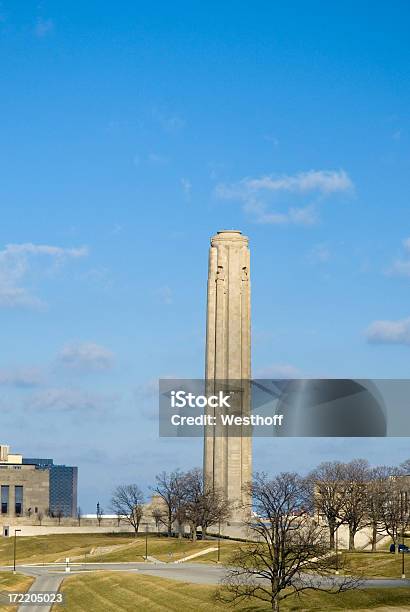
(230,235)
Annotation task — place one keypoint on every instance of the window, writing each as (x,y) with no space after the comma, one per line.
(18,500)
(4,499)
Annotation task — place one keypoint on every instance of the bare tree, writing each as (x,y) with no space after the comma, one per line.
(394,516)
(170,487)
(99,514)
(405,467)
(40,516)
(79,515)
(327,489)
(289,551)
(203,506)
(59,514)
(158,516)
(375,495)
(127,501)
(353,510)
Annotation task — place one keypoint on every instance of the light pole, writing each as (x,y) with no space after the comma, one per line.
(402,510)
(146,542)
(15,543)
(337,552)
(219,542)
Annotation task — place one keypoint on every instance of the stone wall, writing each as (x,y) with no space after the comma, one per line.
(35,485)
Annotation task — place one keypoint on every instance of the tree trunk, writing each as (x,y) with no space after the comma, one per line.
(374,538)
(351,539)
(332,535)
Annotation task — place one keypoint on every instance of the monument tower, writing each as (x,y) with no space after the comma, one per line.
(228,459)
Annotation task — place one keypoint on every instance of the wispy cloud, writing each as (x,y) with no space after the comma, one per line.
(15,264)
(86,356)
(156,158)
(389,332)
(320,253)
(401,265)
(171,123)
(186,187)
(257,194)
(69,400)
(43,27)
(21,377)
(165,295)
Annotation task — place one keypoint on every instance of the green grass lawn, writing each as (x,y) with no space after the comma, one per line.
(386,545)
(227,549)
(38,549)
(13,582)
(110,591)
(374,565)
(48,548)
(166,549)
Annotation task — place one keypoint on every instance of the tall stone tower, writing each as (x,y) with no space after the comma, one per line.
(227,458)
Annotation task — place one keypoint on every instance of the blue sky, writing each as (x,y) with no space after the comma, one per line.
(130,133)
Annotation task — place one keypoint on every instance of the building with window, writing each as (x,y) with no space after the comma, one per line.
(63,485)
(35,486)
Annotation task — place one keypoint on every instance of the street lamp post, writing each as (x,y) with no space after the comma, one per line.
(402,509)
(15,545)
(337,552)
(219,542)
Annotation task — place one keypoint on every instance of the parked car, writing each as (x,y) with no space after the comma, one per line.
(401,547)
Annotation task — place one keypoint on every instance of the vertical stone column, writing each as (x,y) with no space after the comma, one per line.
(228,459)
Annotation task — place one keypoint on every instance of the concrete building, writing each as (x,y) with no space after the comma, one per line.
(33,487)
(63,485)
(228,459)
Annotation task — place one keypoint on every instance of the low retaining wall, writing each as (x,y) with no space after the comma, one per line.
(37,530)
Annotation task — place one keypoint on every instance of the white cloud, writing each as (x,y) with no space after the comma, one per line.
(401,266)
(86,356)
(20,377)
(15,264)
(324,181)
(389,332)
(256,194)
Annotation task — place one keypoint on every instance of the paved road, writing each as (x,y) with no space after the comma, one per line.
(43,582)
(49,577)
